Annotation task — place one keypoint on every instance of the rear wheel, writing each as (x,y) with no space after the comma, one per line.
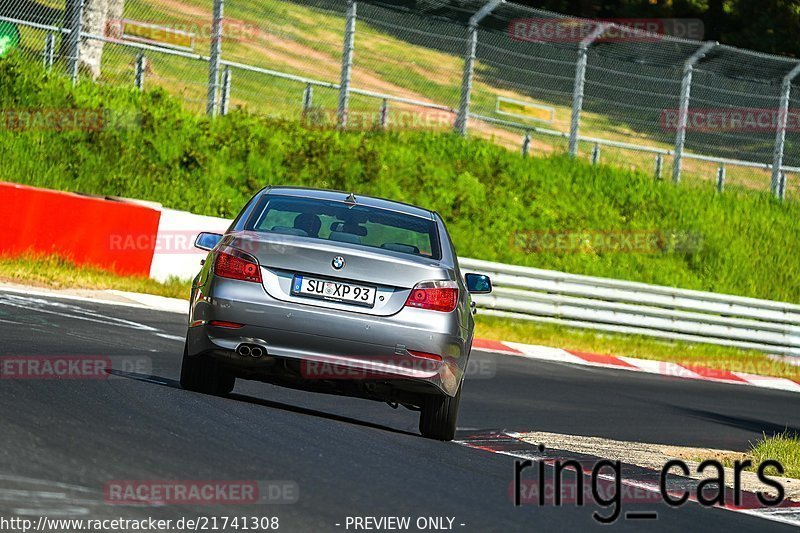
(438,416)
(203,374)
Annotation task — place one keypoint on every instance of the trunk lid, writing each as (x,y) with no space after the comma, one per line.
(393,274)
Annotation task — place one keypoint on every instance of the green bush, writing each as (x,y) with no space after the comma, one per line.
(151,148)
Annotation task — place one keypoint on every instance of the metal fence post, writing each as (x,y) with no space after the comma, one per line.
(226,91)
(782,187)
(683,107)
(580,82)
(384,113)
(49,50)
(347,63)
(308,98)
(462,118)
(215,58)
(721,178)
(595,154)
(526,144)
(659,165)
(780,137)
(75,27)
(141,62)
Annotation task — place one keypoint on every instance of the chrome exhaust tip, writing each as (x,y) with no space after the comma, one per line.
(256,351)
(243,349)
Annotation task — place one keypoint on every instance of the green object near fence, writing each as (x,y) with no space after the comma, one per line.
(9,38)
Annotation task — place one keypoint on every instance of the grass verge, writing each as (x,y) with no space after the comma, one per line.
(54,272)
(782,447)
(684,353)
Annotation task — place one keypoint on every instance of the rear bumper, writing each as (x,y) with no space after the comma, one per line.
(329,344)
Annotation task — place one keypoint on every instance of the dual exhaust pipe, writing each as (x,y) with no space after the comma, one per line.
(251,350)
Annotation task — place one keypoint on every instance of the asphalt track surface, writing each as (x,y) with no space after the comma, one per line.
(63,441)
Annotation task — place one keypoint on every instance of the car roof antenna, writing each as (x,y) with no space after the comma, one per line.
(350,199)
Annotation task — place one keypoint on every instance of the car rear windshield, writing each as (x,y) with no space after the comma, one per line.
(340,222)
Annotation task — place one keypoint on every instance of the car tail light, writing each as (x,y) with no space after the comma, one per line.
(434,295)
(237,267)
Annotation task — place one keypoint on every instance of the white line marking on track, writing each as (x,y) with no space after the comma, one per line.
(769,382)
(787,516)
(142,303)
(34,481)
(544,352)
(67,511)
(30,291)
(40,305)
(171,337)
(661,367)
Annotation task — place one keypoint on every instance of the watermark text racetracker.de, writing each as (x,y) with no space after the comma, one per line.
(173,242)
(62,119)
(165,242)
(605,241)
(731,370)
(730,120)
(575,30)
(180,34)
(71,367)
(200,492)
(389,367)
(427,119)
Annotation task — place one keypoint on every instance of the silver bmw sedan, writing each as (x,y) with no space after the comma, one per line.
(332,292)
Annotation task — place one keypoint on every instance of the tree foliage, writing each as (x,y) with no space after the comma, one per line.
(764,25)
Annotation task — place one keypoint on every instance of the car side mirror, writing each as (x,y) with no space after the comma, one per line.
(478,283)
(207,241)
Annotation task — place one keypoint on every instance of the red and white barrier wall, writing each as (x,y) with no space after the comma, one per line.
(123,236)
(86,230)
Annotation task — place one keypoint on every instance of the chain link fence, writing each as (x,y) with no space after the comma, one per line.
(650,95)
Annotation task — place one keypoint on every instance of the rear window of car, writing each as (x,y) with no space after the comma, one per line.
(340,222)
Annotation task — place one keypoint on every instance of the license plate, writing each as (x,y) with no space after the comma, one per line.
(333,291)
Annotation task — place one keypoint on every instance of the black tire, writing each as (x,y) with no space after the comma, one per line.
(438,416)
(203,374)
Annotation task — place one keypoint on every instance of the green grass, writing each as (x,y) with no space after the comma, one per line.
(54,272)
(305,39)
(683,353)
(154,149)
(784,448)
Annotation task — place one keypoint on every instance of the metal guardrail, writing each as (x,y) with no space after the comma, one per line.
(628,146)
(637,308)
